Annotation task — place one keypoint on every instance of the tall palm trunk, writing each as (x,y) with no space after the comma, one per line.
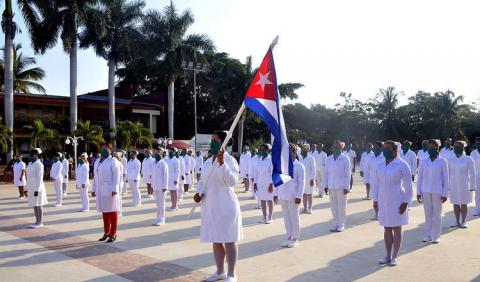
(8,28)
(240,132)
(171,96)
(111,98)
(73,87)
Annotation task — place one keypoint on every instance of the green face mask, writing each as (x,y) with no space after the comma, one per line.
(184,153)
(377,151)
(171,154)
(424,146)
(369,150)
(54,160)
(388,154)
(304,154)
(253,153)
(33,158)
(477,146)
(215,146)
(336,151)
(105,154)
(158,157)
(433,153)
(319,149)
(405,148)
(80,162)
(457,150)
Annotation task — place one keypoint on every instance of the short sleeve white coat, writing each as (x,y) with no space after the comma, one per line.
(35,184)
(462,179)
(18,169)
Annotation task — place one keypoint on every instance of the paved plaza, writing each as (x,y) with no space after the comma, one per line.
(66,249)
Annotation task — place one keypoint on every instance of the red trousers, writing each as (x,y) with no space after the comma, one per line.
(110,222)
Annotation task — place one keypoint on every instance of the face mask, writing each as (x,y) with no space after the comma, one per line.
(432,153)
(158,157)
(184,153)
(477,146)
(54,160)
(369,150)
(304,154)
(244,150)
(171,154)
(377,151)
(458,150)
(388,154)
(405,148)
(147,155)
(253,154)
(215,146)
(33,158)
(336,152)
(198,154)
(18,160)
(104,154)
(319,149)
(424,146)
(80,162)
(61,159)
(132,156)
(348,148)
(447,145)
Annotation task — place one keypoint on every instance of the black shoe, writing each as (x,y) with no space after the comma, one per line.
(105,237)
(111,238)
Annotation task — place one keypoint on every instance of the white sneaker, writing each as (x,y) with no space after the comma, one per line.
(84,210)
(150,196)
(436,241)
(35,226)
(230,279)
(269,221)
(463,225)
(340,229)
(393,262)
(293,244)
(309,212)
(215,277)
(384,261)
(257,207)
(21,197)
(264,221)
(285,243)
(159,223)
(172,209)
(58,205)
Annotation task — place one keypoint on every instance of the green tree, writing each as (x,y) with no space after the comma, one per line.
(132,134)
(92,134)
(46,22)
(112,29)
(25,77)
(166,35)
(385,106)
(4,138)
(40,134)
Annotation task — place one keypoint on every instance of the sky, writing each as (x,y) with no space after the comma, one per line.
(329,46)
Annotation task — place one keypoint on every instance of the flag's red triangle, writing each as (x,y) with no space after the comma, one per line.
(264,82)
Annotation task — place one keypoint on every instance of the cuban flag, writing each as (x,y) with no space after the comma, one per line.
(263,99)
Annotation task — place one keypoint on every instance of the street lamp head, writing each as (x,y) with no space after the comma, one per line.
(67,141)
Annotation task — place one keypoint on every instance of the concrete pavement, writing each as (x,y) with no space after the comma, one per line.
(67,248)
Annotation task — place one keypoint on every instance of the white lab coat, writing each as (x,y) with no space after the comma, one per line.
(351,155)
(263,178)
(411,159)
(192,170)
(221,219)
(188,168)
(337,173)
(310,173)
(393,187)
(198,164)
(159,184)
(181,165)
(244,160)
(35,184)
(373,161)
(364,165)
(320,162)
(133,170)
(107,179)
(81,178)
(421,154)
(56,172)
(462,179)
(65,166)
(476,158)
(18,169)
(433,177)
(173,173)
(147,169)
(252,167)
(447,153)
(294,188)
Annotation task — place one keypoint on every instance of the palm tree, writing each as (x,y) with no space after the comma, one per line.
(40,134)
(92,134)
(9,27)
(4,137)
(112,29)
(140,135)
(24,78)
(59,18)
(166,35)
(386,103)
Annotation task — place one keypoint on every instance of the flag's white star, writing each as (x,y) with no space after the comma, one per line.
(263,80)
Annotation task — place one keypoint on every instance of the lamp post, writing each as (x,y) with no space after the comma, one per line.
(74,141)
(196,68)
(165,141)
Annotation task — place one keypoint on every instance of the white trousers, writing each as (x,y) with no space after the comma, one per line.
(432,205)
(160,201)
(64,185)
(136,196)
(124,184)
(291,218)
(84,197)
(338,201)
(319,181)
(477,200)
(58,190)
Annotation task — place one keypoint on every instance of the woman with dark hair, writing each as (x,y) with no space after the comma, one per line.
(393,192)
(37,195)
(221,220)
(106,189)
(263,185)
(375,159)
(462,182)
